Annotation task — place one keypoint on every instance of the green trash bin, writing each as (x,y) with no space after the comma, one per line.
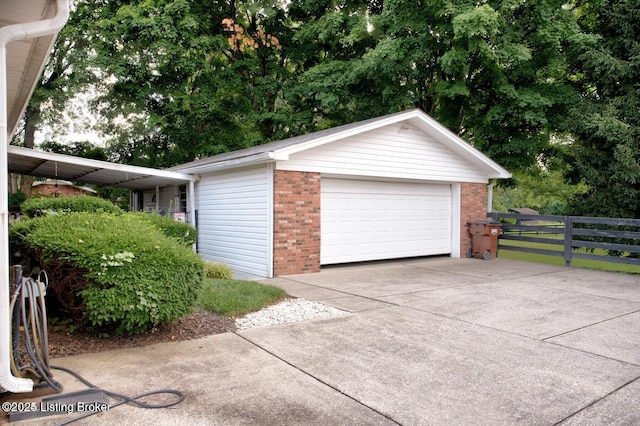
(484,239)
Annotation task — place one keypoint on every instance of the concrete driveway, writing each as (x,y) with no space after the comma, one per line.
(434,341)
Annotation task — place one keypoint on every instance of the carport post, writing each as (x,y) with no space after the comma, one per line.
(492,184)
(8,34)
(7,380)
(192,204)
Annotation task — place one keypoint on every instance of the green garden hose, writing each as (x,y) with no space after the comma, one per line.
(30,321)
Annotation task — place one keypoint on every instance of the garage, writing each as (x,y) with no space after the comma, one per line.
(371,220)
(395,186)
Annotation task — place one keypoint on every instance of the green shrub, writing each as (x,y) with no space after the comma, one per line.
(180,231)
(217,270)
(35,207)
(115,270)
(16,198)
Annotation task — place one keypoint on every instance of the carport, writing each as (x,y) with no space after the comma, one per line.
(94,172)
(28,29)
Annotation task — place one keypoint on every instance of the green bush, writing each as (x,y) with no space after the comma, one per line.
(117,271)
(16,199)
(35,207)
(217,270)
(180,231)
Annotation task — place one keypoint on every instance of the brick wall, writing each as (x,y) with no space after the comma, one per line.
(296,228)
(473,206)
(50,190)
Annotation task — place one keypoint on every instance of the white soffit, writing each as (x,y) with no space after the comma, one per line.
(25,58)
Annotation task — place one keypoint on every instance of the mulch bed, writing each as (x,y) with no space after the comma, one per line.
(200,323)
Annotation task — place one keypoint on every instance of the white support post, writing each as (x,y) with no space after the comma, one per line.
(191,207)
(8,34)
(492,184)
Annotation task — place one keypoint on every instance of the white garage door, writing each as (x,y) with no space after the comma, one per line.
(370,220)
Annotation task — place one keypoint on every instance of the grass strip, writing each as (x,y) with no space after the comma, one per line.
(559,260)
(235,298)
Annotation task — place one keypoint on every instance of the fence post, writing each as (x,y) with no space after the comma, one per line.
(568,231)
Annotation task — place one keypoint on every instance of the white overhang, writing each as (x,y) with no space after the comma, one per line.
(26,57)
(281,150)
(82,170)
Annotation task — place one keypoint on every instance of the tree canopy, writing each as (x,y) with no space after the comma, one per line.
(606,123)
(176,80)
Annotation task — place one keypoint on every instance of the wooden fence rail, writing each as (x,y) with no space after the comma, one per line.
(575,236)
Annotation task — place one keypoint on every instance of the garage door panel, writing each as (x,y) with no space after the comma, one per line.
(369,220)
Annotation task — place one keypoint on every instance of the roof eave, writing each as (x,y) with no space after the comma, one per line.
(425,123)
(251,160)
(132,177)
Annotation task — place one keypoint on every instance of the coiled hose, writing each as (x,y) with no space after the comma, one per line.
(30,320)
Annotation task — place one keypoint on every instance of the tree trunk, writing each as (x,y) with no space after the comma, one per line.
(30,118)
(13,183)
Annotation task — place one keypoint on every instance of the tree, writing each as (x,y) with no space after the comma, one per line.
(180,80)
(188,79)
(495,73)
(606,125)
(78,149)
(159,96)
(66,74)
(543,190)
(329,87)
(185,80)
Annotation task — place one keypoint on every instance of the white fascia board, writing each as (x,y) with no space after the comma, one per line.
(425,123)
(264,157)
(32,88)
(34,30)
(458,145)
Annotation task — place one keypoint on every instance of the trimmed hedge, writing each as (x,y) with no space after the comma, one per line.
(217,270)
(117,271)
(180,231)
(35,207)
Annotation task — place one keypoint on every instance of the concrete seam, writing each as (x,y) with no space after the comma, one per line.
(593,354)
(317,379)
(589,325)
(596,401)
(587,293)
(337,291)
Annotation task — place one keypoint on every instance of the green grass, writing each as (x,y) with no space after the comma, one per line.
(559,260)
(235,298)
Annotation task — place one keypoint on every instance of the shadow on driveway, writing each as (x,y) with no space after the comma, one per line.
(434,341)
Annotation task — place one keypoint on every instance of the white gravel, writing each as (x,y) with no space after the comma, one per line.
(291,310)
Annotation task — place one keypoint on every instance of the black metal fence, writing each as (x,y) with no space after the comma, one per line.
(593,238)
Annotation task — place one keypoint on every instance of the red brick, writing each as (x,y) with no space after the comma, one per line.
(296,230)
(52,190)
(473,200)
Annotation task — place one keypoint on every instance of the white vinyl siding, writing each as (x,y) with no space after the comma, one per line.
(371,220)
(395,151)
(234,219)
